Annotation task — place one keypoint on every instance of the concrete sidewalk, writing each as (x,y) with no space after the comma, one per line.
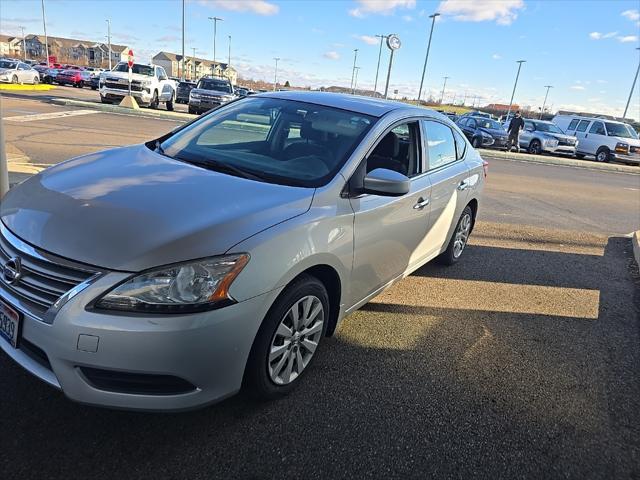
(105,107)
(561,161)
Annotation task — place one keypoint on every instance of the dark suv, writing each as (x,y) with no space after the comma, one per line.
(210,93)
(483,132)
(183,90)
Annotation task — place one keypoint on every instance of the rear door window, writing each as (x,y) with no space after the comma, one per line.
(582,126)
(441,146)
(573,124)
(597,128)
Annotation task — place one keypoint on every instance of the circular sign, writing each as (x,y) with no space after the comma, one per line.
(393,42)
(130,61)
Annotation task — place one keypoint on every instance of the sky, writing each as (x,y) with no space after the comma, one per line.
(587,50)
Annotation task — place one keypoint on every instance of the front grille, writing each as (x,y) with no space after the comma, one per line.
(123,86)
(42,281)
(565,141)
(136,383)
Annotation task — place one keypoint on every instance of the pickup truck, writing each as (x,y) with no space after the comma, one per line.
(150,85)
(210,93)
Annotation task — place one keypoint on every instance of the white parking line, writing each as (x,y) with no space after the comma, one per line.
(49,116)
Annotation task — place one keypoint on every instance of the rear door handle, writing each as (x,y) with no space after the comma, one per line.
(422,202)
(463,185)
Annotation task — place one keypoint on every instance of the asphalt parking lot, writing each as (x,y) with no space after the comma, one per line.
(521,361)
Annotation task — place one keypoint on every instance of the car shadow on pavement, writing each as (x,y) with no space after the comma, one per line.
(457,388)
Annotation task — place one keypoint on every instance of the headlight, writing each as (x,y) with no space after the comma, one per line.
(4,77)
(147,83)
(485,135)
(622,147)
(183,288)
(194,95)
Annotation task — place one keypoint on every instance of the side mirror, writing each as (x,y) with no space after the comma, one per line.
(387,183)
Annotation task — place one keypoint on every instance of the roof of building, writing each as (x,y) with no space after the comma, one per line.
(375,107)
(72,42)
(6,38)
(174,57)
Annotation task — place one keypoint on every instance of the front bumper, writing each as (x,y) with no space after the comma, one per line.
(202,106)
(206,350)
(621,157)
(115,93)
(561,149)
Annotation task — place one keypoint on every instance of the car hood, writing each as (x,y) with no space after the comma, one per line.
(130,209)
(125,75)
(6,70)
(559,136)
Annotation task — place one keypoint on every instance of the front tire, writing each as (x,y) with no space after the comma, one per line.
(153,104)
(602,155)
(476,143)
(14,79)
(535,148)
(288,339)
(459,238)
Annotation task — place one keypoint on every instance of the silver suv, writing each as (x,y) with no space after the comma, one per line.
(167,275)
(539,136)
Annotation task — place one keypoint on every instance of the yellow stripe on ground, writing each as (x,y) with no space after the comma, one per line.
(17,86)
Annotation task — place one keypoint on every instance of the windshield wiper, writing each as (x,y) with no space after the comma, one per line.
(159,148)
(224,167)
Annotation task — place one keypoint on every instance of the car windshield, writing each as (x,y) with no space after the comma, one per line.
(620,130)
(217,85)
(6,64)
(273,140)
(137,68)
(488,124)
(547,127)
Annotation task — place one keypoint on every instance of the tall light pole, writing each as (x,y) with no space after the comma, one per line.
(193,59)
(182,75)
(545,99)
(229,61)
(375,85)
(355,81)
(215,21)
(519,62)
(353,70)
(46,42)
(426,58)
(444,85)
(393,44)
(24,45)
(275,75)
(109,40)
(633,86)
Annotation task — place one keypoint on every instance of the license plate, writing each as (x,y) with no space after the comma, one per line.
(9,324)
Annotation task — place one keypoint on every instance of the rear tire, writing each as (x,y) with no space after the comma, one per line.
(602,155)
(459,239)
(262,379)
(36,80)
(169,104)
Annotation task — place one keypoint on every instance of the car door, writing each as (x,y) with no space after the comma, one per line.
(450,180)
(388,230)
(581,134)
(22,73)
(526,135)
(591,140)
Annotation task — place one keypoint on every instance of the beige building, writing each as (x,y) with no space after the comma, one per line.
(194,67)
(10,46)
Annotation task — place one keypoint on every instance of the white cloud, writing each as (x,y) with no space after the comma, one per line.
(259,7)
(381,7)
(577,87)
(407,18)
(368,39)
(331,55)
(633,15)
(610,35)
(599,36)
(496,56)
(628,38)
(503,12)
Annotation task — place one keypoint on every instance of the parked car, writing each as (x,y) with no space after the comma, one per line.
(607,140)
(210,93)
(539,136)
(150,85)
(241,91)
(14,71)
(49,75)
(483,132)
(182,91)
(169,274)
(94,82)
(74,78)
(477,113)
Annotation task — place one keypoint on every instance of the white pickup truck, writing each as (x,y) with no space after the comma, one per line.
(150,85)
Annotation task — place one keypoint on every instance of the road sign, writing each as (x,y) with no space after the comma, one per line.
(130,62)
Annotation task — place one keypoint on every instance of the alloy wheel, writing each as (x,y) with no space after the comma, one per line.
(462,235)
(295,340)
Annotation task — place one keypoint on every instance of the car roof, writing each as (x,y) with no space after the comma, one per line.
(375,107)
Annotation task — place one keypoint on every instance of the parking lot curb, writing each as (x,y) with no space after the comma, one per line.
(635,239)
(566,162)
(105,107)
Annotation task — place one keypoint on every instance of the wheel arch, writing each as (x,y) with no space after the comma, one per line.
(473,204)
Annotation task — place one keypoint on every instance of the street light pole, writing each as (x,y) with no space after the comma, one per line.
(375,85)
(355,82)
(443,87)
(519,62)
(393,43)
(353,71)
(109,40)
(193,59)
(182,75)
(275,75)
(46,42)
(229,61)
(633,86)
(545,99)
(426,58)
(24,45)
(215,32)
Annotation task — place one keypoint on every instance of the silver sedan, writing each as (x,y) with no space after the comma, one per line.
(169,275)
(14,71)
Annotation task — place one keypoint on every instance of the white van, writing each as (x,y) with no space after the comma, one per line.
(606,140)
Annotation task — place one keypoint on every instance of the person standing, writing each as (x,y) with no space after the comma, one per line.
(515,125)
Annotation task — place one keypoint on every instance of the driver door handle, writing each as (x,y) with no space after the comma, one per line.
(463,185)
(422,202)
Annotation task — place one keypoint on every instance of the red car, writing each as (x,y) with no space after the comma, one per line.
(76,78)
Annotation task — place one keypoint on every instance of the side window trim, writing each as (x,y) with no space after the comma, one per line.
(426,146)
(393,126)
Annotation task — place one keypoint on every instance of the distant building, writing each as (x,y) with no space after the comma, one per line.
(501,107)
(10,46)
(194,67)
